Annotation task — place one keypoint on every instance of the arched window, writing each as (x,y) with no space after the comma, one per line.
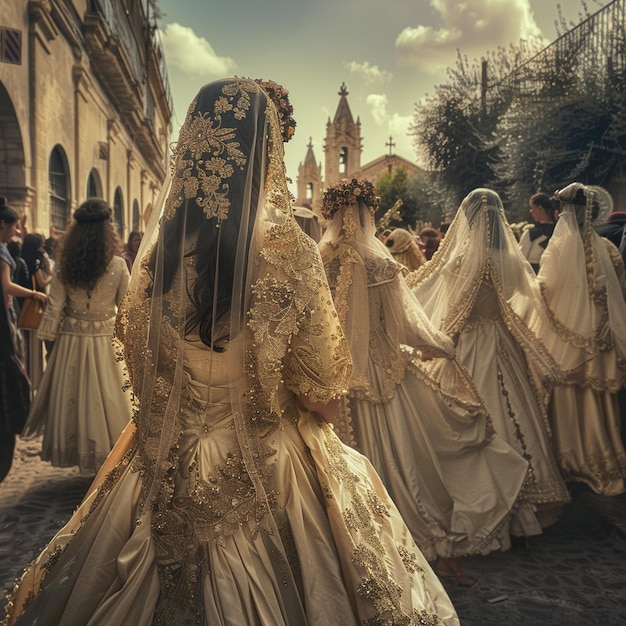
(343,160)
(59,183)
(309,192)
(94,186)
(136,215)
(147,213)
(118,210)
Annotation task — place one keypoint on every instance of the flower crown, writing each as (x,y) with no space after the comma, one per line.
(280,97)
(346,192)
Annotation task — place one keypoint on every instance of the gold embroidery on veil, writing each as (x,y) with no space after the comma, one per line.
(207,183)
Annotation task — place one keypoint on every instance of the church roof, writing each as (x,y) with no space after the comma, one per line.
(394,159)
(343,113)
(384,164)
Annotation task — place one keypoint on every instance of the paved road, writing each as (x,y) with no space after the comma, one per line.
(572,575)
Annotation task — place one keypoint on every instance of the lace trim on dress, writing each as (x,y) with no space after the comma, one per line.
(296,317)
(377,586)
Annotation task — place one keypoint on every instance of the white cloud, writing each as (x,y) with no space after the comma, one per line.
(472,26)
(192,54)
(371,73)
(396,125)
(378,107)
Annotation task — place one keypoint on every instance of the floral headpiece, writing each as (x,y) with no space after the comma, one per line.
(346,192)
(280,97)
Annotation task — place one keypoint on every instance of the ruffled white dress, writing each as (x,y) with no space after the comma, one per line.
(425,429)
(584,412)
(500,371)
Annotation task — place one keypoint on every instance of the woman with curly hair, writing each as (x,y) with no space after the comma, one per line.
(80,407)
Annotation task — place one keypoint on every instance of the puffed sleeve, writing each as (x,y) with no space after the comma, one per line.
(318,362)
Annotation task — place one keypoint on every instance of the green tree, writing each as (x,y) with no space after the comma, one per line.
(392,187)
(572,127)
(455,130)
(537,120)
(421,201)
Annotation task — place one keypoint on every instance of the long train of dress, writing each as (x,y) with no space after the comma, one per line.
(586,426)
(80,406)
(350,554)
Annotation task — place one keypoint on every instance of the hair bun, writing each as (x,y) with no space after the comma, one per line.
(93,210)
(3,201)
(574,193)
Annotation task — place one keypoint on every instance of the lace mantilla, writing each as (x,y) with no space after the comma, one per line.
(207,154)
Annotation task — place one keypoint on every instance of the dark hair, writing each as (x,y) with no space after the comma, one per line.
(132,235)
(428,231)
(88,245)
(31,253)
(51,245)
(544,201)
(7,213)
(15,248)
(216,246)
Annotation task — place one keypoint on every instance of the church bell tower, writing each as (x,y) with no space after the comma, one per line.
(343,145)
(309,182)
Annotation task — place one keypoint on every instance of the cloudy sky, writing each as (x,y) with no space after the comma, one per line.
(390,54)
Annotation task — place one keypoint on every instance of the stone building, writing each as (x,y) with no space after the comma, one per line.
(84,109)
(343,147)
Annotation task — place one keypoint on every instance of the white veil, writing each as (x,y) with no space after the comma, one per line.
(223,265)
(579,282)
(480,246)
(355,261)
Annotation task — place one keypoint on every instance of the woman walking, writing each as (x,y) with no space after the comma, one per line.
(80,406)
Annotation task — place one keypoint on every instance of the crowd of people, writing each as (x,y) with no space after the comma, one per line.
(318,433)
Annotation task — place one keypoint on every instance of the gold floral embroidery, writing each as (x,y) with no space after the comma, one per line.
(239,91)
(207,153)
(339,272)
(381,270)
(294,316)
(364,518)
